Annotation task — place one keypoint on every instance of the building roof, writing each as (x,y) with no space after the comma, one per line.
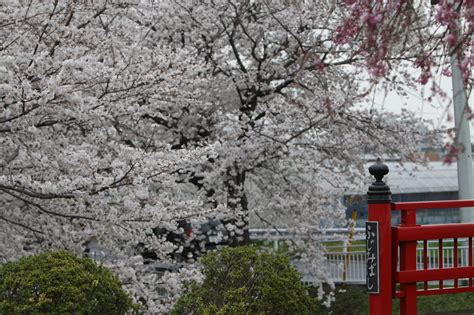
(411,178)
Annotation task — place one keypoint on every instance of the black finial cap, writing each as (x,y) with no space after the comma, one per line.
(378,170)
(379,192)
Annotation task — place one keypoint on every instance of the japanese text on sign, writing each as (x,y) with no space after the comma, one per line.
(372,254)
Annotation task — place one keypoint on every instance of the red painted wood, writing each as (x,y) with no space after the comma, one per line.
(408,263)
(382,303)
(406,235)
(434,231)
(432,204)
(409,276)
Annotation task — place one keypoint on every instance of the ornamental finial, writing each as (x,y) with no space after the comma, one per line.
(379,192)
(378,170)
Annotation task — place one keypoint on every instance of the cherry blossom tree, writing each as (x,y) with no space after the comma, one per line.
(79,161)
(394,38)
(387,33)
(118,116)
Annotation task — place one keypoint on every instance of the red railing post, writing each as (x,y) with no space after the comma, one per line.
(379,274)
(406,236)
(408,262)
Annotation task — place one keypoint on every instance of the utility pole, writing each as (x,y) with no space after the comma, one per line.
(463,134)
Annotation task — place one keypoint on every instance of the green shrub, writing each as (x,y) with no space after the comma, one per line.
(60,283)
(243,280)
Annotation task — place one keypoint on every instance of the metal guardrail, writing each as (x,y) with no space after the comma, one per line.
(355,272)
(356,262)
(355,257)
(277,235)
(271,234)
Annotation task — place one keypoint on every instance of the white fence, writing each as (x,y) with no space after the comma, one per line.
(354,262)
(348,264)
(351,263)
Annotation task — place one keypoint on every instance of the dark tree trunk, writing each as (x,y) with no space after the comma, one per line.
(237,201)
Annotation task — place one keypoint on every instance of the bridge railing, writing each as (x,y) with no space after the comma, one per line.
(395,268)
(356,267)
(419,275)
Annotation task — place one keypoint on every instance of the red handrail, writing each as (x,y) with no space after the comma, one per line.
(432,204)
(414,276)
(434,231)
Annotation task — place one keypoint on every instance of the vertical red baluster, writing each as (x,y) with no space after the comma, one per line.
(455,259)
(440,259)
(408,262)
(425,260)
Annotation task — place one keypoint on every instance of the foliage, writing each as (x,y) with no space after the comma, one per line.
(243,280)
(445,303)
(59,283)
(353,300)
(443,26)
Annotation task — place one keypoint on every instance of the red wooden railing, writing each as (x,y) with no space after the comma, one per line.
(406,236)
(395,273)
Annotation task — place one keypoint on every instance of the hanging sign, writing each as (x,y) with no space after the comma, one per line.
(372,256)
